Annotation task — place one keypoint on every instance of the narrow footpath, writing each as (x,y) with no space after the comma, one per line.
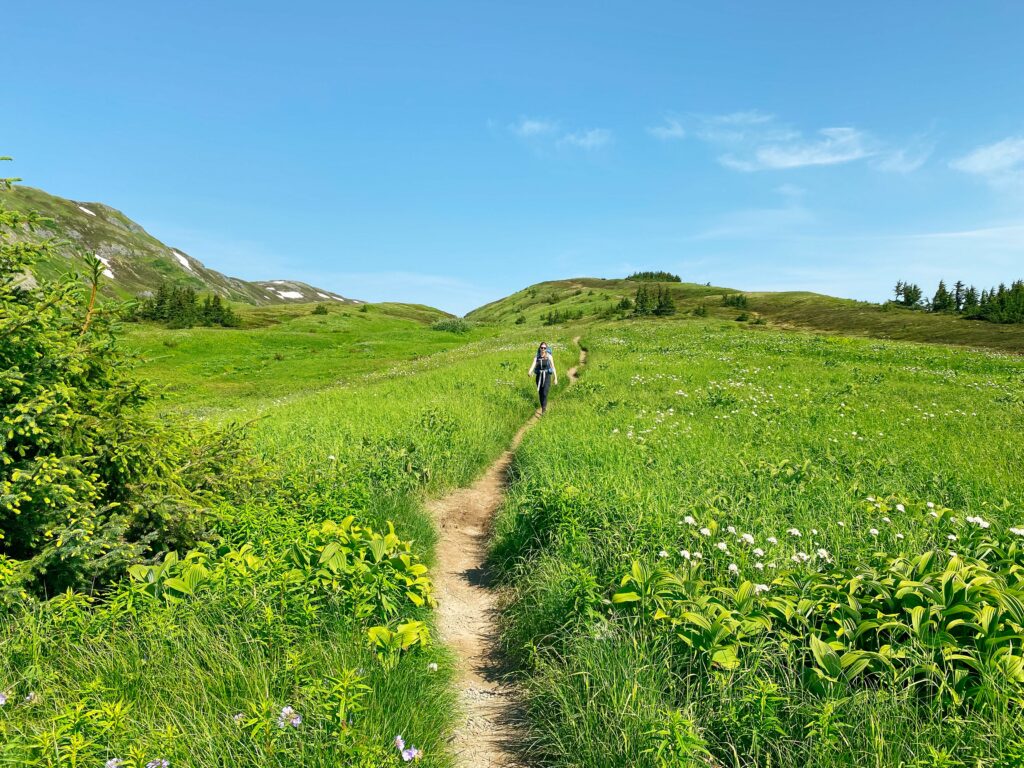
(490,727)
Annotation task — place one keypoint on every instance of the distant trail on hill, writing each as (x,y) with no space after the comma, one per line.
(490,733)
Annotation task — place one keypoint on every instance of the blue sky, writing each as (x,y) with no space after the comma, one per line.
(452,152)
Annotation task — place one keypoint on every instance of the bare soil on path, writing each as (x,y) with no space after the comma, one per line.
(490,733)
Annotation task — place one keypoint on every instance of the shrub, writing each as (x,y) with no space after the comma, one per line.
(90,479)
(452,325)
(320,309)
(737,300)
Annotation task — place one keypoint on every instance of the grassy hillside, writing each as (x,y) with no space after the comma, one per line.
(589,299)
(286,349)
(134,260)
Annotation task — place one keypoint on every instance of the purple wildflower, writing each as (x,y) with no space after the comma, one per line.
(158,763)
(399,743)
(411,754)
(114,762)
(290,717)
(3,699)
(238,717)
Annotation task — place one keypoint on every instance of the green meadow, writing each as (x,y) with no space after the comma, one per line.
(726,545)
(739,548)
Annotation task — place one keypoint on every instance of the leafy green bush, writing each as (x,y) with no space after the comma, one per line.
(452,325)
(90,480)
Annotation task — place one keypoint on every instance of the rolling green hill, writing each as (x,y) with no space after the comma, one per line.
(588,298)
(136,262)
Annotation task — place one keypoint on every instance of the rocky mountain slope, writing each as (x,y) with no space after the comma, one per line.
(134,261)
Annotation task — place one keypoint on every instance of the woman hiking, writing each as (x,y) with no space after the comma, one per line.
(543,370)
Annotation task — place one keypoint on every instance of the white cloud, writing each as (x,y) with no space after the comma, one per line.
(738,128)
(527,127)
(752,140)
(1000,163)
(905,159)
(670,129)
(543,132)
(593,138)
(835,145)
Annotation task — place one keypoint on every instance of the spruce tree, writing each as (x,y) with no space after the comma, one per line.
(943,299)
(666,305)
(959,296)
(642,305)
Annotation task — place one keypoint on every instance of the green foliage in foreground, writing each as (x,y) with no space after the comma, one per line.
(89,481)
(301,634)
(799,551)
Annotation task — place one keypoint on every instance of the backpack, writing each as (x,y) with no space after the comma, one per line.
(543,363)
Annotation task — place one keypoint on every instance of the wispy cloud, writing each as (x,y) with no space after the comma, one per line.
(671,128)
(1001,163)
(752,140)
(593,138)
(905,159)
(832,147)
(541,131)
(527,127)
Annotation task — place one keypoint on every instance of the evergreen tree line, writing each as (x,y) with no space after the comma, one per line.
(555,316)
(997,305)
(180,307)
(660,303)
(655,277)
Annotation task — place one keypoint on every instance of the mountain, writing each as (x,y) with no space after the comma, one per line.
(134,261)
(589,298)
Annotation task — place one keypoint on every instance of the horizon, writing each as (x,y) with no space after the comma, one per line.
(456,155)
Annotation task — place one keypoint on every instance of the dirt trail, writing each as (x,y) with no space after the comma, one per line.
(490,729)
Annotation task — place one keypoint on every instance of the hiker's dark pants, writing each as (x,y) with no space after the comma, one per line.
(543,385)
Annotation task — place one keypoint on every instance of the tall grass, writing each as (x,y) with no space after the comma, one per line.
(677,428)
(141,679)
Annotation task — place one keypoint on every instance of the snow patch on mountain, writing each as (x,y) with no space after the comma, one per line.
(182,260)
